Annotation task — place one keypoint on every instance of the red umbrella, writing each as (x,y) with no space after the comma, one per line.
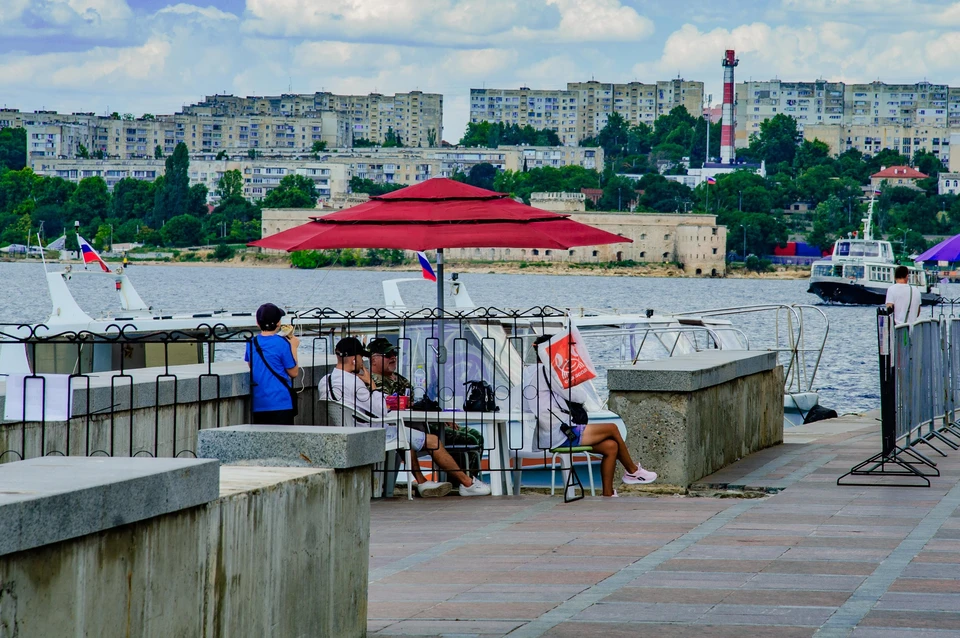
(436,214)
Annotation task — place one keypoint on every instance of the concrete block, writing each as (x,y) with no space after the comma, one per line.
(50,499)
(688,373)
(296,446)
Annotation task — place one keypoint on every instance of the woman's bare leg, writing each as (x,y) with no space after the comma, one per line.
(608,464)
(595,433)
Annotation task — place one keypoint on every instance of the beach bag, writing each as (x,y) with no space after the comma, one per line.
(480,397)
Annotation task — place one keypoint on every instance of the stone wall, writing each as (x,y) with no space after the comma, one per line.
(689,416)
(280,552)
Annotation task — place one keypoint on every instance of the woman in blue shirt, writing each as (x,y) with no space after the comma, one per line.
(273,365)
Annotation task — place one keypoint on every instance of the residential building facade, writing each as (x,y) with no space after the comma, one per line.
(904,176)
(948,183)
(872,138)
(416,117)
(581,110)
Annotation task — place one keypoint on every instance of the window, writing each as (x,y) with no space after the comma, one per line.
(642,254)
(666,256)
(535,251)
(714,250)
(667,236)
(595,253)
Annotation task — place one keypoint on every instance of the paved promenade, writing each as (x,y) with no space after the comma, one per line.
(813,559)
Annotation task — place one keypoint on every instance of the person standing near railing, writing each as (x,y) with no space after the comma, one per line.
(273,365)
(903,298)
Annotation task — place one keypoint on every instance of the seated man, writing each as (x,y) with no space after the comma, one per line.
(348,383)
(383,373)
(544,397)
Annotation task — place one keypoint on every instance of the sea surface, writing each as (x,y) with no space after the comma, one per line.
(847,377)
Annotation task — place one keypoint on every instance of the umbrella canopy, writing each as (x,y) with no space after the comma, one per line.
(436,214)
(947,250)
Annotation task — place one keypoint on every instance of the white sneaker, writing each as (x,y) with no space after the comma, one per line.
(477,488)
(640,477)
(429,489)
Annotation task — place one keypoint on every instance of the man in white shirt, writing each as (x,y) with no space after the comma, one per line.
(903,298)
(350,384)
(543,396)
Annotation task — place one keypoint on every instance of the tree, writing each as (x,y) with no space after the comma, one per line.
(927,162)
(776,143)
(230,185)
(362,142)
(18,232)
(197,199)
(16,187)
(431,137)
(13,148)
(618,193)
(372,188)
(254,153)
(319,146)
(132,199)
(172,196)
(810,154)
(182,230)
(82,152)
(547,179)
(482,175)
(391,139)
(494,134)
(661,194)
(90,202)
(157,152)
(294,191)
(222,155)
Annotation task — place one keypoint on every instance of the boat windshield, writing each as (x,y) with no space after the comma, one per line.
(853,272)
(855,248)
(823,270)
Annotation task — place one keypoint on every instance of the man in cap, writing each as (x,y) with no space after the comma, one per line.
(350,383)
(383,373)
(273,365)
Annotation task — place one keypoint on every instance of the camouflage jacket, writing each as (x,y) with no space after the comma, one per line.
(396,385)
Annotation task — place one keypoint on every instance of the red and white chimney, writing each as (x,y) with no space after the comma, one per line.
(727,152)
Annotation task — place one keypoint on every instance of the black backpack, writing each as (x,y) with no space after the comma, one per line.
(480,397)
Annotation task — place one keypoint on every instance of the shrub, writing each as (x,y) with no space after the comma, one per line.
(223,251)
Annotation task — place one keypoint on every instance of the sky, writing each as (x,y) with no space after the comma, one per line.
(155,56)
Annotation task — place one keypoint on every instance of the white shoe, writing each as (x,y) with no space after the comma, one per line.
(429,489)
(477,488)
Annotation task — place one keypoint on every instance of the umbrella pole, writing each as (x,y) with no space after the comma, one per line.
(441,348)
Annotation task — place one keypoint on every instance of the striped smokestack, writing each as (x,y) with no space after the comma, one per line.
(727,152)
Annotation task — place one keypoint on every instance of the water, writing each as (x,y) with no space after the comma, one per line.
(847,379)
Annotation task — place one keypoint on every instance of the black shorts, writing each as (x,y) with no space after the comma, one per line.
(273,417)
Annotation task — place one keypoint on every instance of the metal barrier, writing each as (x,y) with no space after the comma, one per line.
(919,398)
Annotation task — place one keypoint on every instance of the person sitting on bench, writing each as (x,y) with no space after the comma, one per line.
(350,384)
(543,396)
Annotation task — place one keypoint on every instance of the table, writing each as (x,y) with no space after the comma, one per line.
(494,426)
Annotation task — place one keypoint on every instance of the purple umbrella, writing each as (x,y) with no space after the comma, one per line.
(947,250)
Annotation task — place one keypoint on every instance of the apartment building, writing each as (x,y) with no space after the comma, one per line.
(948,184)
(810,103)
(138,139)
(870,139)
(581,110)
(260,176)
(416,117)
(895,111)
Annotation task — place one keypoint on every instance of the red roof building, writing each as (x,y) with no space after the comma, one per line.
(897,176)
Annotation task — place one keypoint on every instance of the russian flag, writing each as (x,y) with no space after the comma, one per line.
(711,180)
(90,256)
(426,267)
(876,191)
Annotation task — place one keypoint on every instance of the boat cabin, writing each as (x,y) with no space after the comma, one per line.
(860,249)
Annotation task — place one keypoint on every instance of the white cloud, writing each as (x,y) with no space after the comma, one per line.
(599,20)
(79,18)
(209,13)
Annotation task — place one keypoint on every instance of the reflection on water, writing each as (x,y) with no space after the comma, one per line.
(847,378)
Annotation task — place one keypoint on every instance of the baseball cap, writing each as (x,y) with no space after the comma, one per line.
(268,316)
(382,346)
(350,347)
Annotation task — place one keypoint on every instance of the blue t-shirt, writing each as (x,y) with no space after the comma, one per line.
(268,392)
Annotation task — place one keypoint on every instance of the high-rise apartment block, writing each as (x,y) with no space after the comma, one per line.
(873,116)
(416,117)
(581,110)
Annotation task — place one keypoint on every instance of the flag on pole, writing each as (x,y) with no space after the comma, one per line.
(711,180)
(876,191)
(426,267)
(90,256)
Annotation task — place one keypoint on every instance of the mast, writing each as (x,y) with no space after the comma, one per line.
(868,221)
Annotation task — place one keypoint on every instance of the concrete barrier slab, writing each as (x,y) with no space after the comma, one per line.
(55,498)
(293,446)
(691,372)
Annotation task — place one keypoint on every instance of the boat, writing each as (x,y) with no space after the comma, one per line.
(861,269)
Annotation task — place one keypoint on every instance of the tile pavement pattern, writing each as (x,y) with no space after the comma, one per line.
(813,559)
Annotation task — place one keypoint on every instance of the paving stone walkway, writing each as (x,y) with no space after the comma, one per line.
(812,559)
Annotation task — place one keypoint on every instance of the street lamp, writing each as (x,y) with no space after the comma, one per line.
(904,242)
(111,237)
(740,198)
(744,242)
(76,230)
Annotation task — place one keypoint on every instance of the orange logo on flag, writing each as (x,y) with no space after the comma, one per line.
(569,360)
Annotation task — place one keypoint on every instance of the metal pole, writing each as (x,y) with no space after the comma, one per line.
(441,348)
(744,241)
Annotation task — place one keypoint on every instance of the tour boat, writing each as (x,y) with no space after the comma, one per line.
(861,269)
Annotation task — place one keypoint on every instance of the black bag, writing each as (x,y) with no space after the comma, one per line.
(578,414)
(425,404)
(293,393)
(480,397)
